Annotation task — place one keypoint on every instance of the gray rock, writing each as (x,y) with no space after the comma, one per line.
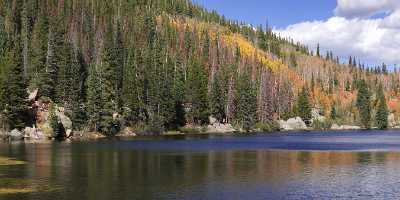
(391,120)
(68,133)
(127,132)
(345,127)
(220,128)
(15,135)
(292,124)
(212,120)
(33,134)
(65,121)
(33,95)
(316,116)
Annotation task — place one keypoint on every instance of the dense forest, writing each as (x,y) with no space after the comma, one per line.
(159,65)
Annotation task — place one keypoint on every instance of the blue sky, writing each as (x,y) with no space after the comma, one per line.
(367,29)
(280,13)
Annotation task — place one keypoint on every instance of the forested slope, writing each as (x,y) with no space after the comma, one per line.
(160,65)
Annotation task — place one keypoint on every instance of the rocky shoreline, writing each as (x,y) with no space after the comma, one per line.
(43,129)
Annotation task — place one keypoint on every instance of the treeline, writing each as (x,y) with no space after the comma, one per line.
(140,63)
(123,63)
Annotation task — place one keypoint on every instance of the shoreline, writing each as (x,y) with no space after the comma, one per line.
(92,136)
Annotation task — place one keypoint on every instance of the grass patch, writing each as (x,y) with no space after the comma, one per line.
(4,161)
(4,191)
(19,185)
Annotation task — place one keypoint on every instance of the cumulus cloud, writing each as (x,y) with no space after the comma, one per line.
(364,8)
(351,32)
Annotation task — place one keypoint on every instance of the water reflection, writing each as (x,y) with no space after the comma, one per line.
(92,171)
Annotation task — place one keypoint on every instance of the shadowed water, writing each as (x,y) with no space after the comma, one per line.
(352,165)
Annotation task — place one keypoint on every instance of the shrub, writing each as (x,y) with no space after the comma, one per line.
(322,125)
(272,126)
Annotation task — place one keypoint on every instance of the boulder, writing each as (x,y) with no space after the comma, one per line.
(344,127)
(212,120)
(33,134)
(316,116)
(15,135)
(68,133)
(220,128)
(33,95)
(335,127)
(391,120)
(292,124)
(65,121)
(126,132)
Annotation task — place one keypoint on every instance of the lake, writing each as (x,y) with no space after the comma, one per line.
(304,165)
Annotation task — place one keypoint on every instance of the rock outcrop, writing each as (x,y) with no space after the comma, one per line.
(15,135)
(33,134)
(65,121)
(220,128)
(316,116)
(292,124)
(344,127)
(217,127)
(392,120)
(126,132)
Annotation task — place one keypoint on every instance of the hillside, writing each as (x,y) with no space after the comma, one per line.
(162,65)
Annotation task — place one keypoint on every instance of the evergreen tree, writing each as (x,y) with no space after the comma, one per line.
(94,99)
(303,105)
(364,104)
(108,124)
(196,93)
(381,118)
(14,90)
(333,114)
(179,93)
(245,102)
(217,99)
(56,63)
(39,50)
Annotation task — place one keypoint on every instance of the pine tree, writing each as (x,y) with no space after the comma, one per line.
(14,90)
(94,100)
(333,114)
(108,124)
(196,93)
(303,105)
(318,51)
(217,99)
(179,93)
(56,65)
(381,118)
(118,61)
(39,50)
(245,102)
(364,104)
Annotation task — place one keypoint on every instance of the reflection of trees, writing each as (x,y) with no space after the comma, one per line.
(95,172)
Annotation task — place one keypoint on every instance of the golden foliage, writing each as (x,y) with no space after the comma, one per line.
(233,40)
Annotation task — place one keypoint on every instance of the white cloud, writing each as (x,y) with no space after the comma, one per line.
(372,40)
(364,8)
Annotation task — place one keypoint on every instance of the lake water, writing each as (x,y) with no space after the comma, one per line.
(341,165)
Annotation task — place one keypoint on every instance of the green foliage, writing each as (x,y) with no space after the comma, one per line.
(364,104)
(271,126)
(246,102)
(217,99)
(322,125)
(196,93)
(304,106)
(333,113)
(14,94)
(381,117)
(55,123)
